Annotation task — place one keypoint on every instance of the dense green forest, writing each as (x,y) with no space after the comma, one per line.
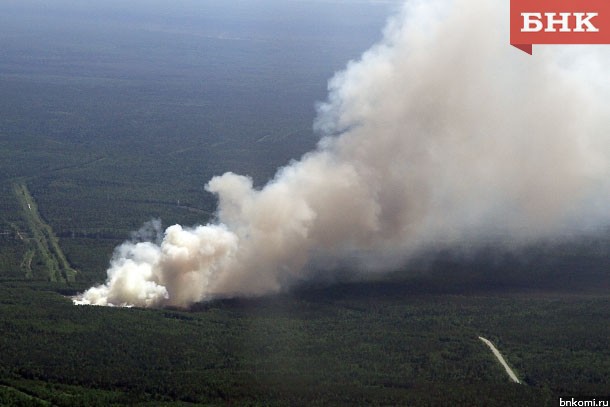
(105,127)
(402,343)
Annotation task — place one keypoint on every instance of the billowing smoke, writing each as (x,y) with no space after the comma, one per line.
(441,133)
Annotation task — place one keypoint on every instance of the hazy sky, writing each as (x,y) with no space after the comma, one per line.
(40,35)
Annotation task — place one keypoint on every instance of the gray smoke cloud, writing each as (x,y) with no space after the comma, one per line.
(440,134)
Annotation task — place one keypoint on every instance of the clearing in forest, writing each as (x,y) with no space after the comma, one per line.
(41,240)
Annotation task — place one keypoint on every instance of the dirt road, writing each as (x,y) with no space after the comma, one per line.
(498,355)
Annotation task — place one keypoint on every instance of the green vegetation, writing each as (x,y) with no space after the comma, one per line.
(98,174)
(103,129)
(400,343)
(42,242)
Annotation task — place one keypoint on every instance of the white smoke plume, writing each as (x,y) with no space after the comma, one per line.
(439,134)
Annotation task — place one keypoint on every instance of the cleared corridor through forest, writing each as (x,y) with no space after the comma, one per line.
(498,355)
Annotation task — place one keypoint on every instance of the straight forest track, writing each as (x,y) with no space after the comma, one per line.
(43,239)
(500,358)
